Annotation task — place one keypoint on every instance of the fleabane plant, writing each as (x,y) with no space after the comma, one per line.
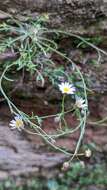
(32,42)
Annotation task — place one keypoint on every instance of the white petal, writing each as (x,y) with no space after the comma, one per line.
(13,122)
(82,101)
(72,91)
(66,84)
(84,105)
(60,87)
(62,84)
(12,125)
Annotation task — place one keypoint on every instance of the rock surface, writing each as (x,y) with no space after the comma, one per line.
(26,155)
(19,157)
(80,16)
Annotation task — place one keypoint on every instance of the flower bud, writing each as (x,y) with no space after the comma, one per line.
(88,153)
(57,119)
(53,141)
(66,166)
(82,164)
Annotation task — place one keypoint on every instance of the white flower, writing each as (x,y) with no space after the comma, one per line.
(65,166)
(88,153)
(17,123)
(67,88)
(80,103)
(57,119)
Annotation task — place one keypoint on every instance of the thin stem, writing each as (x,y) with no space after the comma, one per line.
(76,36)
(62,105)
(85,95)
(43,134)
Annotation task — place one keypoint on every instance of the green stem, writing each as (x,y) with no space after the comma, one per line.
(85,95)
(62,105)
(41,132)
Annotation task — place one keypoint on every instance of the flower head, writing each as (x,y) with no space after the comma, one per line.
(17,123)
(57,119)
(67,88)
(88,153)
(65,166)
(80,103)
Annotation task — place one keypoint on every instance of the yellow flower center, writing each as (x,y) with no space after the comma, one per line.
(19,123)
(66,89)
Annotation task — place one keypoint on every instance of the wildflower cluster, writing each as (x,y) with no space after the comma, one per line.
(33,42)
(67,88)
